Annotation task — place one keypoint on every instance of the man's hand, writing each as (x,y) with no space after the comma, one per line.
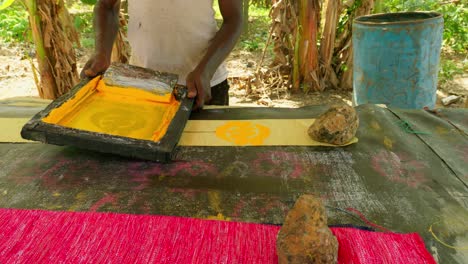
(198,85)
(198,81)
(106,25)
(98,64)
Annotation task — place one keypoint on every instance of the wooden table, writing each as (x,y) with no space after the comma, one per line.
(403,181)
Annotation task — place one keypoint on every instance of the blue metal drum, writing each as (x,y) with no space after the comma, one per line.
(396,59)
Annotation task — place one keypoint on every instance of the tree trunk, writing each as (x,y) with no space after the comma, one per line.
(46,79)
(296,26)
(346,76)
(309,21)
(327,44)
(378,6)
(121,48)
(245,7)
(295,30)
(53,35)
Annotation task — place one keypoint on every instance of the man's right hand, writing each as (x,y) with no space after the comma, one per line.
(96,65)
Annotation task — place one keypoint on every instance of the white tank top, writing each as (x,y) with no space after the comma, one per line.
(172,35)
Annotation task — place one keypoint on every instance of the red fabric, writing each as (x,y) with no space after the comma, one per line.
(360,246)
(28,236)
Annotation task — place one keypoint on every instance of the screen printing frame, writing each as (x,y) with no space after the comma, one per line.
(160,151)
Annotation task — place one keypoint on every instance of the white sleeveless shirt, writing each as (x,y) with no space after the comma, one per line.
(172,35)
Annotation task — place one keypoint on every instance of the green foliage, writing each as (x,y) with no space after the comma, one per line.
(89,2)
(84,23)
(456,26)
(449,68)
(346,15)
(259,26)
(5,3)
(87,43)
(260,3)
(14,24)
(256,12)
(251,45)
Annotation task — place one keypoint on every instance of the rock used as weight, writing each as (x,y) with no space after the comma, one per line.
(336,126)
(305,237)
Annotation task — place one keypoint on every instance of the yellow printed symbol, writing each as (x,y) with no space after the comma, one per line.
(243,133)
(118,121)
(388,143)
(442,130)
(375,125)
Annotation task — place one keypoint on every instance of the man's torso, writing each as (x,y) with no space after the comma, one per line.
(172,35)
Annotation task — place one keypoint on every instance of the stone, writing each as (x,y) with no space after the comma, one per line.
(305,237)
(450,100)
(336,126)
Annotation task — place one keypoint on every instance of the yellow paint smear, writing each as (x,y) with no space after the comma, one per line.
(388,143)
(243,133)
(219,217)
(127,112)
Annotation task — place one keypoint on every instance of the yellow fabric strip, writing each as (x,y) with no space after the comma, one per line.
(261,132)
(10,129)
(267,132)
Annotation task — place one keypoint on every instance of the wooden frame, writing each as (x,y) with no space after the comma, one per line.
(160,151)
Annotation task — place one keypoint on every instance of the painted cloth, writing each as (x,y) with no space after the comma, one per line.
(257,132)
(366,247)
(30,236)
(172,35)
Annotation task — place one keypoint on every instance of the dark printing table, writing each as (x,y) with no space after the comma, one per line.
(405,180)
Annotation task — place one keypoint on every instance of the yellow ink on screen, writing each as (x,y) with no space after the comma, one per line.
(243,133)
(127,112)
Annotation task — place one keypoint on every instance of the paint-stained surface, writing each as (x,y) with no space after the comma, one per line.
(396,179)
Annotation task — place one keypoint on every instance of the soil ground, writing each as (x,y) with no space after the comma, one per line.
(17,80)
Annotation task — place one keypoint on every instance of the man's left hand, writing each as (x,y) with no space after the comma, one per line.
(198,85)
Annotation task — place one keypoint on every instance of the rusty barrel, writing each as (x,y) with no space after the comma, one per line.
(396,59)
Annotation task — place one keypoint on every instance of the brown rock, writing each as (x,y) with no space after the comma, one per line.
(305,236)
(336,126)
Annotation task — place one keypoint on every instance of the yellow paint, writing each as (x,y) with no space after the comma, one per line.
(215,200)
(219,217)
(278,132)
(462,248)
(388,142)
(442,130)
(136,93)
(126,112)
(56,194)
(214,197)
(53,207)
(243,133)
(375,125)
(80,199)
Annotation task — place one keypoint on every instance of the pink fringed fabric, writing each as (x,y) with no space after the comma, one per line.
(366,247)
(29,236)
